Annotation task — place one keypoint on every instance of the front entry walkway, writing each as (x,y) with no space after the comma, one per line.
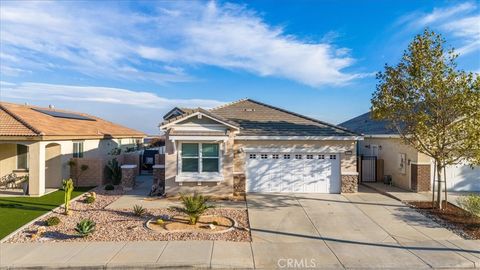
(363,230)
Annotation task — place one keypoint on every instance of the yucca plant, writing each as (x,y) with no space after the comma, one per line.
(138,210)
(85,227)
(193,206)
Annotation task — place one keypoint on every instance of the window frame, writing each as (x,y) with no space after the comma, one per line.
(26,155)
(200,158)
(80,153)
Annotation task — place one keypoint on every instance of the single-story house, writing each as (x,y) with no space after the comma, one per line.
(408,168)
(249,146)
(41,141)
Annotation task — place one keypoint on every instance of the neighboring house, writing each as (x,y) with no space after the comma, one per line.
(41,141)
(248,146)
(409,168)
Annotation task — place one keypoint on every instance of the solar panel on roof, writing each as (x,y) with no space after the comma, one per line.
(64,114)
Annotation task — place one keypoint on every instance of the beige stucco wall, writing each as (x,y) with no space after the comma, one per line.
(48,160)
(8,158)
(389,152)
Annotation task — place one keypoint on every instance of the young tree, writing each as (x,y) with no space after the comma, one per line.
(434,106)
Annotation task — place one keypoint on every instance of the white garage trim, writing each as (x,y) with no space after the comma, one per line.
(293,172)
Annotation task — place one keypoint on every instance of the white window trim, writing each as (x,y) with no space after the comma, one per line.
(199,176)
(83,148)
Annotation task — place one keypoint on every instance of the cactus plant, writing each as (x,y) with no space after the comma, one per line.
(114,171)
(68,188)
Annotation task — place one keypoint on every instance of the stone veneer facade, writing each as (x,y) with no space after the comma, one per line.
(239,184)
(349,183)
(420,177)
(129,173)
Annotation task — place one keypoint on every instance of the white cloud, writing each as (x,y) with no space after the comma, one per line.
(57,92)
(136,109)
(112,41)
(460,22)
(439,14)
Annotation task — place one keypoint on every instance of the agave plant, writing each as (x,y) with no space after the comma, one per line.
(193,206)
(139,211)
(85,227)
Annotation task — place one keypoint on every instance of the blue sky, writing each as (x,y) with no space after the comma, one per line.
(130,62)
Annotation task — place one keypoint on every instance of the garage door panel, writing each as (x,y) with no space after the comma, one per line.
(277,172)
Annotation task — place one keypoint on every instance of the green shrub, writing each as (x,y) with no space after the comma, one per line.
(52,221)
(471,203)
(139,211)
(193,206)
(90,199)
(109,187)
(215,223)
(85,227)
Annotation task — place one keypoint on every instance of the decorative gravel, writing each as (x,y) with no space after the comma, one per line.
(123,225)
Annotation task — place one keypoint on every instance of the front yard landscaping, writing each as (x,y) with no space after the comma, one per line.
(17,211)
(452,217)
(89,220)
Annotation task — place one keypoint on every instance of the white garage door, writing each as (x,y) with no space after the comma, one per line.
(462,178)
(296,172)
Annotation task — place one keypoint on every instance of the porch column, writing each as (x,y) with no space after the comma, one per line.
(36,170)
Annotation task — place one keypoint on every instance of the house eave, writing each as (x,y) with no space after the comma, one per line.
(299,138)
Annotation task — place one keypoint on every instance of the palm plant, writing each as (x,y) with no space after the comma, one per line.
(193,206)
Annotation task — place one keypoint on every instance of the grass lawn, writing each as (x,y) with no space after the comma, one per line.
(17,211)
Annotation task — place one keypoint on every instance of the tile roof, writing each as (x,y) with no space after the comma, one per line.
(22,120)
(11,126)
(259,119)
(206,112)
(366,125)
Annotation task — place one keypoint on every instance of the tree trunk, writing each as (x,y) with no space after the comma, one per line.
(439,186)
(433,183)
(445,179)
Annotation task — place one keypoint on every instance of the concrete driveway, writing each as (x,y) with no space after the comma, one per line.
(359,230)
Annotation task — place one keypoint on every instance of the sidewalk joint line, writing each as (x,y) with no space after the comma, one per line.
(318,232)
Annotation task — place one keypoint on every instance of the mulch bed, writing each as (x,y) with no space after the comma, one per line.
(453,217)
(123,225)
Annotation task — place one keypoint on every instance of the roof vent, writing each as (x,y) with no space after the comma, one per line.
(249,110)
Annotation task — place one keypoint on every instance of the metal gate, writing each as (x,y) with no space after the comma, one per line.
(369,168)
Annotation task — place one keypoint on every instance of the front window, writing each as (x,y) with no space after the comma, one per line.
(190,157)
(22,157)
(78,149)
(200,157)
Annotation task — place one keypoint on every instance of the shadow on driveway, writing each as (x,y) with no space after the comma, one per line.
(367,243)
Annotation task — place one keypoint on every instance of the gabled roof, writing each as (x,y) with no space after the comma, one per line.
(366,125)
(192,112)
(24,120)
(176,112)
(258,119)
